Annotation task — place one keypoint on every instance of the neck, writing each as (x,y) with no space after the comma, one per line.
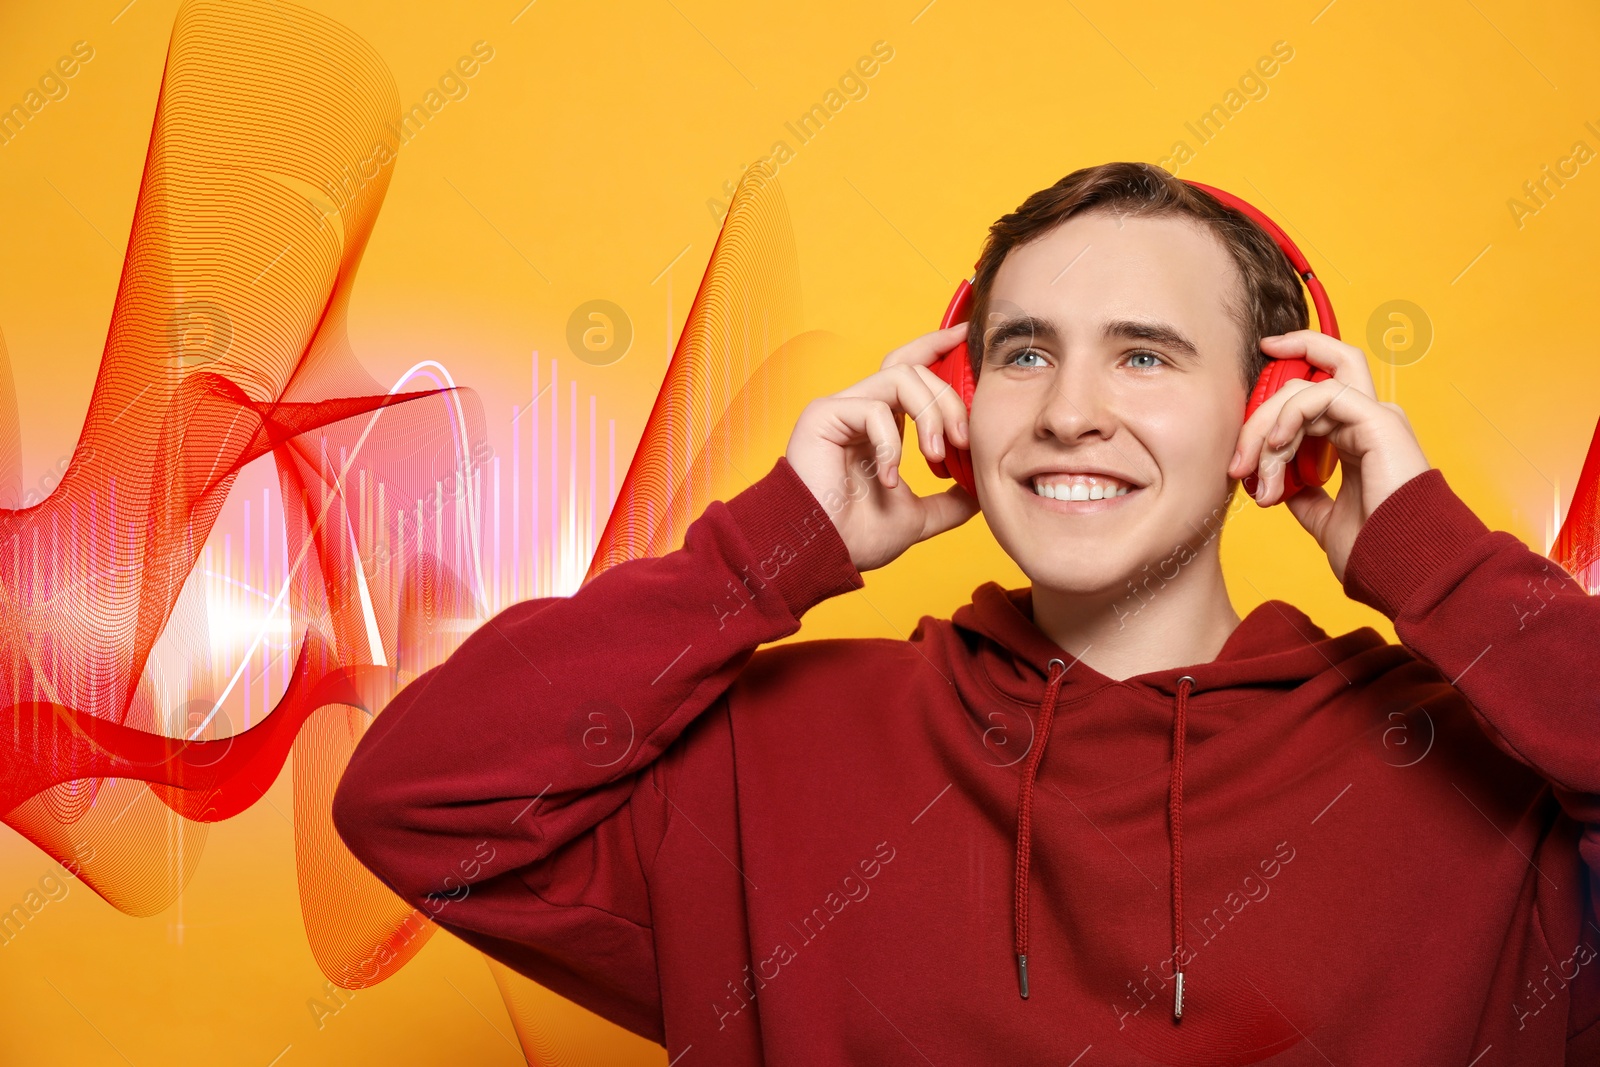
(1151,624)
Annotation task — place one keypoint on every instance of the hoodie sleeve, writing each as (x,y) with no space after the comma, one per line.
(511,792)
(1509,628)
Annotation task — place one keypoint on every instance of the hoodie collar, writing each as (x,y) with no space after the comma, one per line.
(1275,644)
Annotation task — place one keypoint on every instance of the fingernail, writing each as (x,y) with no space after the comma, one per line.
(938,444)
(1237,456)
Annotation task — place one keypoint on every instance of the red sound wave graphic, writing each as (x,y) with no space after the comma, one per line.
(748,298)
(226,345)
(1577,545)
(272,148)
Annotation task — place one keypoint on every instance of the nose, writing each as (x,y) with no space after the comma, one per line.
(1075,403)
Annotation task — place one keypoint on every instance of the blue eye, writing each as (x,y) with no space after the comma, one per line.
(1011,360)
(1152,355)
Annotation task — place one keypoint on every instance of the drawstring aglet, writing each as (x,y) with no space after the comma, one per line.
(1022,973)
(1177,999)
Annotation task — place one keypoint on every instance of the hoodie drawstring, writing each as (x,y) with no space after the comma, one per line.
(1175,833)
(1047,714)
(1047,710)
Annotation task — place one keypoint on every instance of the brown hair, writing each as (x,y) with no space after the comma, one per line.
(1272,301)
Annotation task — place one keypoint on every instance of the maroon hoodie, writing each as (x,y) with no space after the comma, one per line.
(964,847)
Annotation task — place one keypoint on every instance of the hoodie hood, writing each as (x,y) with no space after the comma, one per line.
(999,657)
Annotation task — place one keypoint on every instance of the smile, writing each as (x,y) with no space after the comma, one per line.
(1076,494)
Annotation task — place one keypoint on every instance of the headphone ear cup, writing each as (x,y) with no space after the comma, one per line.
(1314,461)
(961,462)
(1274,376)
(955,369)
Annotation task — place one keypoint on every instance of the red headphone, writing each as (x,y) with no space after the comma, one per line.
(1314,460)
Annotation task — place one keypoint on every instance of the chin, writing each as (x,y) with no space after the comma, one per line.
(1085,581)
(1074,566)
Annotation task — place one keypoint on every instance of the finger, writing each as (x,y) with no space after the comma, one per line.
(908,393)
(927,348)
(1345,362)
(1259,480)
(1311,507)
(918,398)
(1252,436)
(946,510)
(1323,410)
(850,419)
(1330,409)
(1311,410)
(951,407)
(1307,407)
(1301,409)
(884,432)
(1274,473)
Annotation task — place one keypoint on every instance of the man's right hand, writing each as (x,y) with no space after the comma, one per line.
(846,448)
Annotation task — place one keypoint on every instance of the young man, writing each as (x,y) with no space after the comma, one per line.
(1100,817)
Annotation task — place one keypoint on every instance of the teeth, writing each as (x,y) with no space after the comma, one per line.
(1080,487)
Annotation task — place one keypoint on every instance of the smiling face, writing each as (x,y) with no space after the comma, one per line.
(1111,365)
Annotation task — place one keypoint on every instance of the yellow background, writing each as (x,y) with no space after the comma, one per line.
(585,152)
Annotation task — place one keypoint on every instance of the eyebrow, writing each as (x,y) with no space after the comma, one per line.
(1153,330)
(1029,326)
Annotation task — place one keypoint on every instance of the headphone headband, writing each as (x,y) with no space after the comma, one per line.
(960,304)
(1319,296)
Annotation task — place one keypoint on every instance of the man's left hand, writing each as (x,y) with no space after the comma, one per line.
(1378,452)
